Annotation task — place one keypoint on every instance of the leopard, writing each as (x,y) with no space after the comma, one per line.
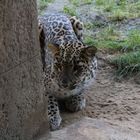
(68,63)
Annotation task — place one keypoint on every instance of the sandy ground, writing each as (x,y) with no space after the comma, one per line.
(116,101)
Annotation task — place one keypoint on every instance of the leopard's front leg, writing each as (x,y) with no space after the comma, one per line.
(53,113)
(75,103)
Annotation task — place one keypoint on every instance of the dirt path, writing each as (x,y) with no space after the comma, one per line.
(115,101)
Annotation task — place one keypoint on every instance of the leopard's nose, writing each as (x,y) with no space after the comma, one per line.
(64,83)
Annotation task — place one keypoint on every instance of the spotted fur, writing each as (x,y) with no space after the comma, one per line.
(68,63)
(77,27)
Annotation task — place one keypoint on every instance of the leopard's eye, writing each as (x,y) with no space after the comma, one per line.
(75,67)
(78,69)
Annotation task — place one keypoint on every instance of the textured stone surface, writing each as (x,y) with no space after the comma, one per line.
(93,129)
(22,106)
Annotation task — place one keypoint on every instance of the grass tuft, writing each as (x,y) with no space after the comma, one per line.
(118,15)
(80,2)
(42,4)
(120,10)
(127,64)
(69,10)
(133,41)
(108,38)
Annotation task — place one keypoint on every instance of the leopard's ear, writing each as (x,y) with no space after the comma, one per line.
(54,49)
(89,51)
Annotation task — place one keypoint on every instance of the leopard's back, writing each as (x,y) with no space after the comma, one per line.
(57,28)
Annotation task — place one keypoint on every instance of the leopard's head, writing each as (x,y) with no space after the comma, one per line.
(73,64)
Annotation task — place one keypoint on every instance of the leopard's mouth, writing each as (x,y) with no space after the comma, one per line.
(69,86)
(66,93)
(72,87)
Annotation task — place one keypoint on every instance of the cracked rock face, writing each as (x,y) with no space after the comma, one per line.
(93,129)
(22,106)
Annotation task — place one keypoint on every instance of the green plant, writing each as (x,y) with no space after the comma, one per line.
(75,2)
(118,15)
(70,10)
(127,63)
(87,1)
(90,41)
(100,2)
(89,25)
(80,2)
(133,40)
(120,10)
(42,4)
(108,38)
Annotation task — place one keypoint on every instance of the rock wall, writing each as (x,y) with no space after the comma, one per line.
(22,106)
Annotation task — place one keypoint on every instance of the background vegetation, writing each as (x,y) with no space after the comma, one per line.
(42,4)
(114,35)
